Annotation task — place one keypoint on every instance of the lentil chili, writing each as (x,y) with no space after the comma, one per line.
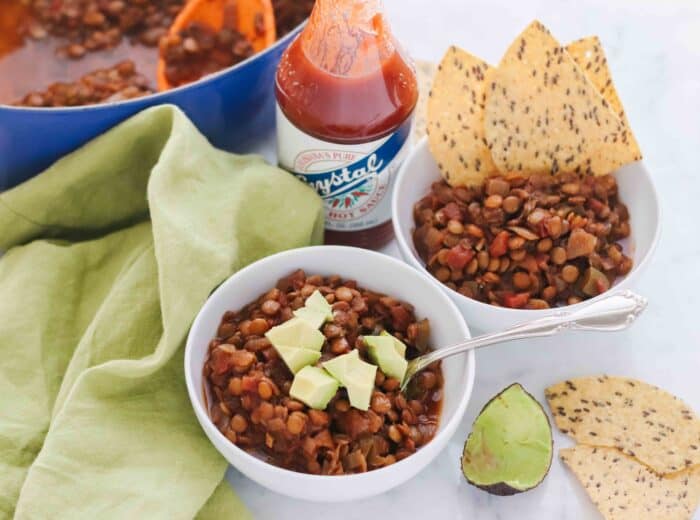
(248,383)
(522,242)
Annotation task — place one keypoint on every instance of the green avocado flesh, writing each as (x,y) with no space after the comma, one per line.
(385,351)
(316,310)
(355,375)
(398,344)
(298,341)
(297,358)
(297,333)
(314,387)
(316,302)
(311,316)
(510,447)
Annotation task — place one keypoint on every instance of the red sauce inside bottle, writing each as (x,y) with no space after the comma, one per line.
(368,93)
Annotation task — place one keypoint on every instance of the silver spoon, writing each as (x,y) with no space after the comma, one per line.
(611,313)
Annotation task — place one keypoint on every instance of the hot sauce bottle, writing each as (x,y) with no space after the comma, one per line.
(345,96)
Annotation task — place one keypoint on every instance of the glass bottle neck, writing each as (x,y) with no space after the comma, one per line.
(347,37)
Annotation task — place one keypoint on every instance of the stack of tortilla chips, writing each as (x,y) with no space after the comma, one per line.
(545,109)
(638,451)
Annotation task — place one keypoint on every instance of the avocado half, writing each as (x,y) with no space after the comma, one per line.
(510,447)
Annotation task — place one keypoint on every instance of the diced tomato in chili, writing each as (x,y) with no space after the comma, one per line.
(220,361)
(499,246)
(355,423)
(249,384)
(459,256)
(601,286)
(542,260)
(452,211)
(400,317)
(529,263)
(516,300)
(596,205)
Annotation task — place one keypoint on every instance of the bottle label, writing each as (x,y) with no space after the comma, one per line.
(354,181)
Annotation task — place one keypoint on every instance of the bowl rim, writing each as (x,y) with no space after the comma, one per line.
(405,248)
(159,95)
(467,386)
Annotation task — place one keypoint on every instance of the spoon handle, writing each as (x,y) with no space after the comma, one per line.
(610,313)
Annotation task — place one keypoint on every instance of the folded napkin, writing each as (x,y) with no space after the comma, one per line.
(110,254)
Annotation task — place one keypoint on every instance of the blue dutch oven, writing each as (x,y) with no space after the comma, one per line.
(233,108)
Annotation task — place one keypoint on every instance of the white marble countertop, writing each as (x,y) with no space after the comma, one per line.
(653,47)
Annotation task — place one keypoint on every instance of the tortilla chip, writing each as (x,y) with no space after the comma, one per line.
(589,55)
(622,488)
(544,115)
(425,70)
(643,421)
(455,119)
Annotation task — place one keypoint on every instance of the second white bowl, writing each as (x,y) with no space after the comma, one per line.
(371,270)
(419,171)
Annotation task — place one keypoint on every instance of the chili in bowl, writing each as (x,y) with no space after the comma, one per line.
(243,385)
(517,245)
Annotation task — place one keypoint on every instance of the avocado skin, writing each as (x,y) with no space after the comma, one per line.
(501,488)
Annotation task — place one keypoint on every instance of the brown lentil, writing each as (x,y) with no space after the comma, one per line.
(511,204)
(493,202)
(296,422)
(569,273)
(239,423)
(270,307)
(264,390)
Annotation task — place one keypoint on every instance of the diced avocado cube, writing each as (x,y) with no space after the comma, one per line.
(400,346)
(297,358)
(383,351)
(312,316)
(314,387)
(318,303)
(355,375)
(296,333)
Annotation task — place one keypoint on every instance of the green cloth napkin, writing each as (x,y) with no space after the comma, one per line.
(111,253)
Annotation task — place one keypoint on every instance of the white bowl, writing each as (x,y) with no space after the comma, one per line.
(372,271)
(420,170)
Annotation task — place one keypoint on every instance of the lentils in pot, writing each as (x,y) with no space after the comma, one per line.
(82,26)
(197,51)
(82,45)
(112,84)
(520,242)
(248,383)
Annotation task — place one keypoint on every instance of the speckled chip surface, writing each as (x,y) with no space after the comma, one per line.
(544,115)
(588,54)
(641,420)
(456,119)
(622,488)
